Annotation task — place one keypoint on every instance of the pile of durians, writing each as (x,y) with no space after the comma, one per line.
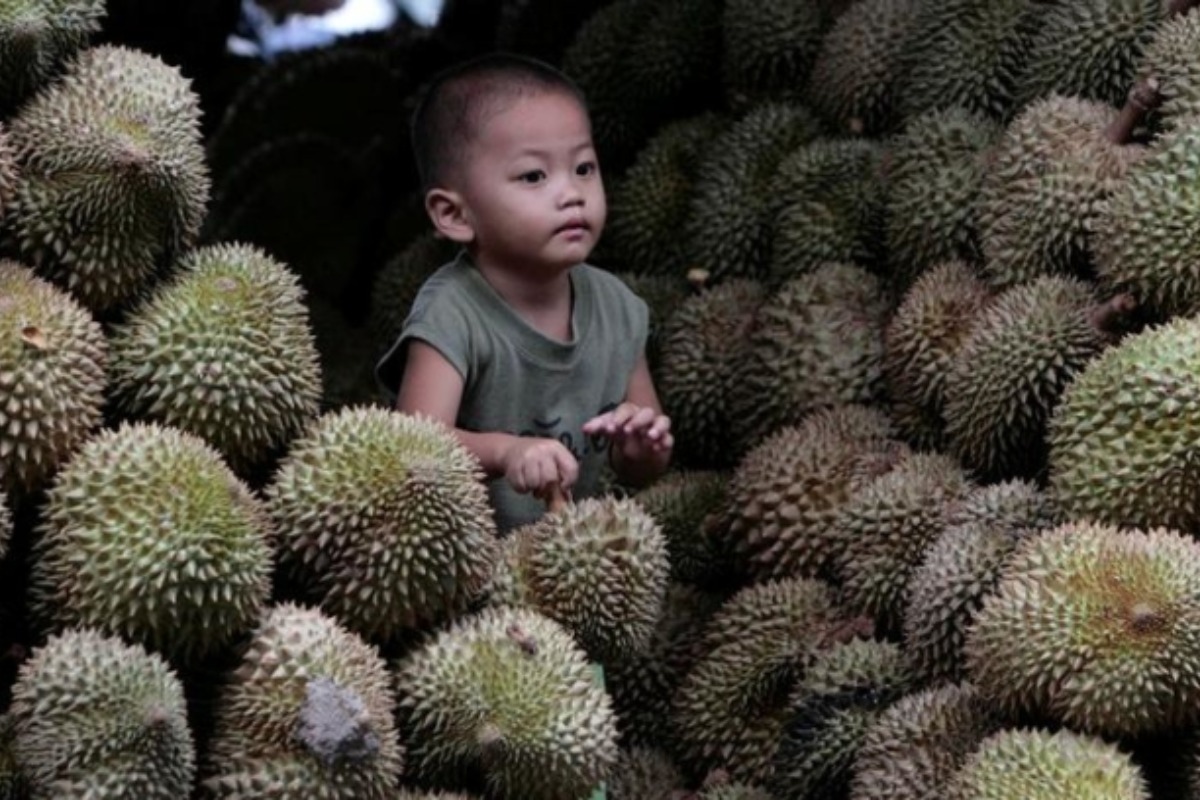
(925,291)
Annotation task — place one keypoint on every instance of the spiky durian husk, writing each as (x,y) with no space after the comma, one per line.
(8,173)
(1010,373)
(702,344)
(1170,57)
(1095,627)
(934,174)
(272,729)
(113,182)
(1037,765)
(413,794)
(768,49)
(1121,438)
(13,785)
(384,519)
(1142,239)
(967,53)
(961,566)
(508,698)
(786,493)
(36,37)
(224,351)
(662,294)
(818,342)
(686,506)
(1088,49)
(885,526)
(730,709)
(917,744)
(734,791)
(398,282)
(95,717)
(1042,195)
(148,535)
(923,338)
(831,708)
(853,81)
(650,203)
(727,230)
(52,372)
(643,773)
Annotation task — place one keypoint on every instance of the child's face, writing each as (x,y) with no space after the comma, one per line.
(531,186)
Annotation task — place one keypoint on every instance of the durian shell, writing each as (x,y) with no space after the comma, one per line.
(1170,59)
(36,39)
(686,506)
(643,773)
(768,49)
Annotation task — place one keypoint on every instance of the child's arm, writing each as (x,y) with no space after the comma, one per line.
(432,386)
(640,433)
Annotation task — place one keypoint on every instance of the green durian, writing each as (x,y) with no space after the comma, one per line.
(1038,765)
(147,534)
(413,794)
(884,528)
(818,342)
(8,173)
(831,708)
(13,785)
(728,227)
(731,708)
(768,49)
(383,519)
(662,294)
(1049,176)
(1096,627)
(1004,382)
(307,713)
(967,53)
(95,717)
(787,492)
(53,357)
(686,505)
(36,37)
(506,699)
(853,82)
(703,343)
(922,340)
(733,791)
(935,171)
(1169,58)
(916,745)
(643,773)
(224,351)
(1121,443)
(962,566)
(113,184)
(398,282)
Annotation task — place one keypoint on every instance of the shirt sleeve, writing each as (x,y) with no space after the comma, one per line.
(439,322)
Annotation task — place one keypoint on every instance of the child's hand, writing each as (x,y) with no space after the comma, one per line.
(638,433)
(535,466)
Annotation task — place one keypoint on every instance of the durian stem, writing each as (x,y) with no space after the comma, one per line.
(698,278)
(1143,98)
(1175,7)
(1110,316)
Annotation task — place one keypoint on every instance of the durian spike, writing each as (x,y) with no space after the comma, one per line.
(1111,316)
(1143,98)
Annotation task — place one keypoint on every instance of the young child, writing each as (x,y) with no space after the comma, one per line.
(535,359)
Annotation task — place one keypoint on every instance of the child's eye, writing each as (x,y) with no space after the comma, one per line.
(586,168)
(533,176)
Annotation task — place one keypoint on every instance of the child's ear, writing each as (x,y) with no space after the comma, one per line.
(449,215)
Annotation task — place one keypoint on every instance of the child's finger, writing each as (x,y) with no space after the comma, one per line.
(567,467)
(597,423)
(640,421)
(621,415)
(661,425)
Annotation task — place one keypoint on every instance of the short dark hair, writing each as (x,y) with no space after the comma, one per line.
(455,103)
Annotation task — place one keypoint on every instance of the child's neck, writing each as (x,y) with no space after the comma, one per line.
(543,303)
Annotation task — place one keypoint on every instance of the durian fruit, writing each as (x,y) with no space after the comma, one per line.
(922,340)
(962,566)
(113,183)
(818,342)
(1007,377)
(686,505)
(1170,58)
(8,173)
(853,82)
(413,794)
(398,282)
(1038,765)
(832,706)
(36,37)
(1089,49)
(662,294)
(384,519)
(768,49)
(786,493)
(223,350)
(643,773)
(885,527)
(308,713)
(733,791)
(148,535)
(916,745)
(935,171)
(728,226)
(967,53)
(53,357)
(703,343)
(95,717)
(598,567)
(1096,627)
(506,699)
(731,708)
(1121,438)
(13,785)
(1041,198)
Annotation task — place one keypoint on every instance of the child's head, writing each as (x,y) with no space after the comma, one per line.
(504,151)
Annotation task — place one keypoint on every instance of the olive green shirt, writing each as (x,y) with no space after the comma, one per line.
(517,380)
